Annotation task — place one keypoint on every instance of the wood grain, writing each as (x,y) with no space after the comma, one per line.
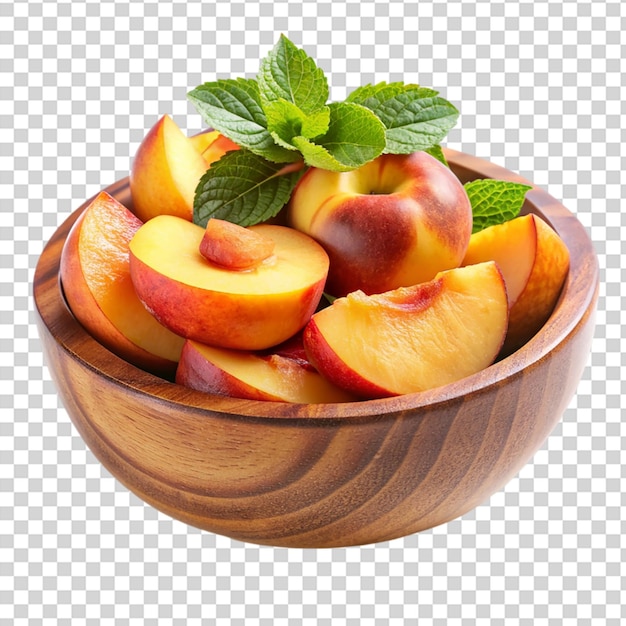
(323,475)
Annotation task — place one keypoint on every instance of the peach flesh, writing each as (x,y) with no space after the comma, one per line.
(513,246)
(165,172)
(234,247)
(253,376)
(95,273)
(248,310)
(534,261)
(413,338)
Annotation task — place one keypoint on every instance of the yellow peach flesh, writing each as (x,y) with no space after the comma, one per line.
(165,172)
(248,375)
(250,309)
(179,258)
(416,338)
(218,148)
(234,247)
(202,141)
(96,279)
(513,246)
(534,261)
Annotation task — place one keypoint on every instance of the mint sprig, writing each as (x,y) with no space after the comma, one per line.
(354,137)
(494,201)
(285,121)
(415,117)
(283,116)
(233,107)
(288,73)
(244,188)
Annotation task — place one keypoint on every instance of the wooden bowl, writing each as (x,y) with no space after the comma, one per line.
(329,474)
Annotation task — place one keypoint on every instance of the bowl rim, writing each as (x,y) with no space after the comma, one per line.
(580,291)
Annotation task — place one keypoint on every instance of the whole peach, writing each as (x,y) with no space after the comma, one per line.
(394,222)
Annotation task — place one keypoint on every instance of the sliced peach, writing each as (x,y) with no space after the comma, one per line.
(203,140)
(534,261)
(234,247)
(242,374)
(218,148)
(95,273)
(412,338)
(212,145)
(293,348)
(249,310)
(165,172)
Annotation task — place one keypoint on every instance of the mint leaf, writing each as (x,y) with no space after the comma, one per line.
(287,72)
(285,121)
(233,107)
(317,156)
(371,96)
(437,152)
(244,188)
(355,136)
(415,117)
(415,123)
(494,201)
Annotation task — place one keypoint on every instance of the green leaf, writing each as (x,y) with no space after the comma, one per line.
(233,107)
(285,121)
(355,136)
(371,96)
(437,152)
(288,73)
(494,201)
(244,188)
(415,117)
(317,156)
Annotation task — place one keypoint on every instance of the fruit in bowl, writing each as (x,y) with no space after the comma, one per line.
(95,272)
(286,415)
(323,474)
(396,221)
(420,337)
(247,309)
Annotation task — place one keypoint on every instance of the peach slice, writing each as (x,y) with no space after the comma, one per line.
(165,172)
(204,139)
(249,310)
(242,374)
(212,145)
(95,273)
(218,148)
(234,247)
(293,348)
(412,338)
(534,261)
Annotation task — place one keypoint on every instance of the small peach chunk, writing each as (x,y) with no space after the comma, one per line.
(234,247)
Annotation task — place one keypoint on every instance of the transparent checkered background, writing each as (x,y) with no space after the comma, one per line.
(541,86)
